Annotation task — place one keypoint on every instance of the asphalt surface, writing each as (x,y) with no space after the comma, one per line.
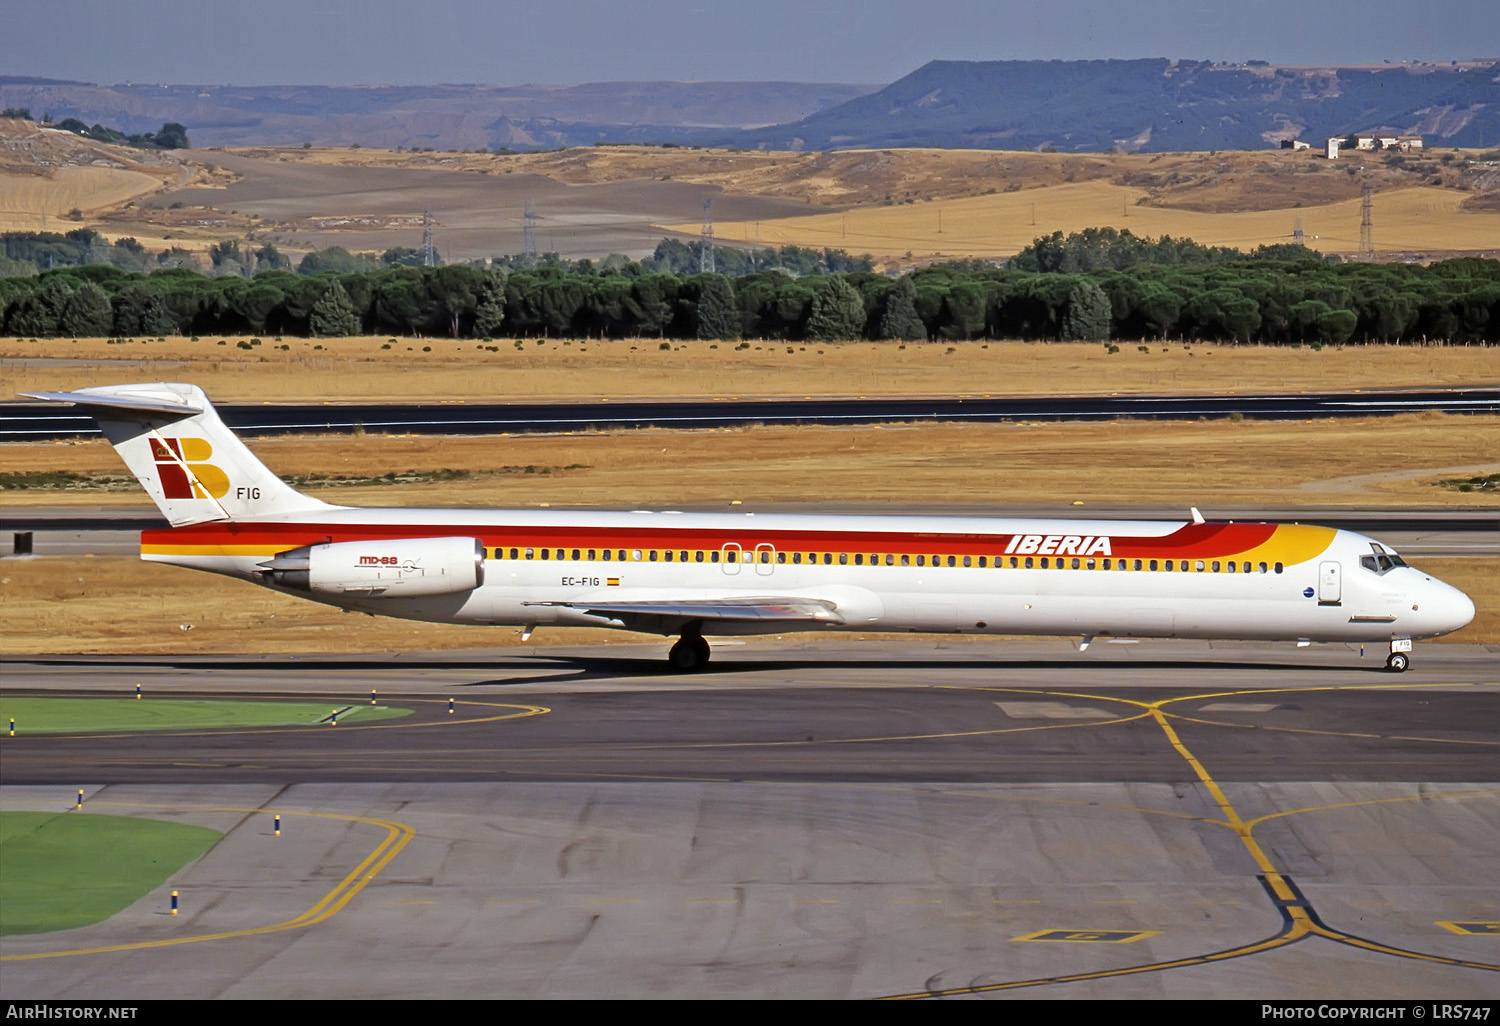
(25,421)
(815,819)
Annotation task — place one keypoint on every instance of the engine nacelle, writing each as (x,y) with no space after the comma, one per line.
(390,568)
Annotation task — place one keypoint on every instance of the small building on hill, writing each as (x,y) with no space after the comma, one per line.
(1372,141)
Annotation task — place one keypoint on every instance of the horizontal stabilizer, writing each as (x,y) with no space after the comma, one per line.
(106,400)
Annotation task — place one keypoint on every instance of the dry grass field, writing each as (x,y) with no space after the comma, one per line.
(1368,463)
(47,173)
(585,369)
(597,199)
(1426,220)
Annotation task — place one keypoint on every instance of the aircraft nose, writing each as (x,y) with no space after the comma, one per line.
(1460,608)
(1454,609)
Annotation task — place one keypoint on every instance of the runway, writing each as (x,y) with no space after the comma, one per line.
(25,421)
(808,819)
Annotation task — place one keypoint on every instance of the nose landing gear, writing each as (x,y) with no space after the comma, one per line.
(1399,659)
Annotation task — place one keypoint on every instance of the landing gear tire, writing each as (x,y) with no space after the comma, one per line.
(1397,662)
(689,654)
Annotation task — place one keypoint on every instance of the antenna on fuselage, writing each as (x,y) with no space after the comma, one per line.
(1197,517)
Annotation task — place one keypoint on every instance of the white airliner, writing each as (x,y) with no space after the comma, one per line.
(700,574)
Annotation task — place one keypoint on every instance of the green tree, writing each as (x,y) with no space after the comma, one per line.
(141,310)
(269,258)
(1087,318)
(40,313)
(900,319)
(87,312)
(718,316)
(336,259)
(838,312)
(489,312)
(333,314)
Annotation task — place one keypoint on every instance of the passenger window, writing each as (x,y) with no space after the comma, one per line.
(859,559)
(1167,565)
(1262,567)
(1028,563)
(667,555)
(1198,566)
(1107,565)
(765,555)
(890,559)
(1013,562)
(905,560)
(843,558)
(605,555)
(1277,567)
(697,555)
(981,561)
(1045,564)
(636,555)
(921,561)
(950,561)
(1138,564)
(1090,564)
(781,557)
(545,553)
(713,557)
(966,561)
(1230,566)
(1075,563)
(1216,566)
(576,553)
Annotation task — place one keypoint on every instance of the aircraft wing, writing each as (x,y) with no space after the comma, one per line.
(654,613)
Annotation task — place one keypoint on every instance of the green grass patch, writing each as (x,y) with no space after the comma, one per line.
(63,481)
(402,477)
(63,870)
(1482,483)
(68,481)
(110,715)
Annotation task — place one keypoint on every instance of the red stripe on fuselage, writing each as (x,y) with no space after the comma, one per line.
(1188,541)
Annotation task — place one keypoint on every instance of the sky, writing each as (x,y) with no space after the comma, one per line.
(501,42)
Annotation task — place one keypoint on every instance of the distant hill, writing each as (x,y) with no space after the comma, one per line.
(1150,106)
(1153,105)
(441,117)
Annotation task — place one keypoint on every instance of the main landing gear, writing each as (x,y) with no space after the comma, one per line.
(689,654)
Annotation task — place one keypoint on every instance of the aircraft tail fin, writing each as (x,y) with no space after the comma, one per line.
(193,467)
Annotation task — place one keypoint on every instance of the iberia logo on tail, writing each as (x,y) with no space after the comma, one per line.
(175,457)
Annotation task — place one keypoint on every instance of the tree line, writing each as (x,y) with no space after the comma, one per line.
(1244,301)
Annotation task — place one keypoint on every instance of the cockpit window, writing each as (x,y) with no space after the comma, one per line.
(1381,563)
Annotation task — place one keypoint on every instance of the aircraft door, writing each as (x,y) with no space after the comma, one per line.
(765,559)
(1329,587)
(729,558)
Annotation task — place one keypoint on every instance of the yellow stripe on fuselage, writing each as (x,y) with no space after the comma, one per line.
(1291,544)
